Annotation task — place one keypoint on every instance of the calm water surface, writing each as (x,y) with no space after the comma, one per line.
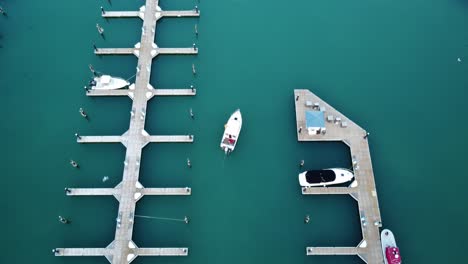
(391,66)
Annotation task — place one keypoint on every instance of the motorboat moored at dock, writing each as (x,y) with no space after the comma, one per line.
(107,82)
(391,252)
(314,178)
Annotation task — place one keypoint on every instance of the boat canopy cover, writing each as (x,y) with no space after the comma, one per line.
(105,79)
(318,176)
(393,255)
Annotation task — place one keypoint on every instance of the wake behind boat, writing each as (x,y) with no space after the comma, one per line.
(313,178)
(231,132)
(390,250)
(107,82)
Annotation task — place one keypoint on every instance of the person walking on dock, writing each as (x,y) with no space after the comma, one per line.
(300,130)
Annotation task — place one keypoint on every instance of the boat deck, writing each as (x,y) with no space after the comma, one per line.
(129,191)
(340,128)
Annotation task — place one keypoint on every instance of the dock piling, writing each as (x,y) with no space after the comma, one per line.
(74,164)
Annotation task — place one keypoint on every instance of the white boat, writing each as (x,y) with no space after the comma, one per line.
(231,132)
(313,178)
(390,250)
(107,82)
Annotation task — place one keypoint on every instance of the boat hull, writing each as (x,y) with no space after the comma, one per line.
(231,132)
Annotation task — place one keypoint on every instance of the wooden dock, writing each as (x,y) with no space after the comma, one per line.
(340,128)
(122,249)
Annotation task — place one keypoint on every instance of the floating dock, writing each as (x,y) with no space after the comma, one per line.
(339,128)
(129,191)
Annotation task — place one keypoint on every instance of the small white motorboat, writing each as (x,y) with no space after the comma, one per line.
(389,248)
(313,178)
(231,132)
(107,82)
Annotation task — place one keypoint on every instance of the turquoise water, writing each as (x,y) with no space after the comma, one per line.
(390,66)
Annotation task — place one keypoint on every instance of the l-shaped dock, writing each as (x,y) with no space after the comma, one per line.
(341,129)
(130,190)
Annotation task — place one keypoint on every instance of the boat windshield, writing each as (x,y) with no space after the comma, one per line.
(318,176)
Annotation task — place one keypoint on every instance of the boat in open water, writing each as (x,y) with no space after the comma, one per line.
(390,250)
(231,132)
(107,82)
(314,178)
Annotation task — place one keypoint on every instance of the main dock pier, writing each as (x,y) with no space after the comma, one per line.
(339,128)
(130,190)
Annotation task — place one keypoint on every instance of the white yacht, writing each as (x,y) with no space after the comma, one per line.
(313,178)
(107,82)
(231,132)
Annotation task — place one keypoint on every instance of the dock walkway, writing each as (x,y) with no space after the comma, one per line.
(340,128)
(129,191)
